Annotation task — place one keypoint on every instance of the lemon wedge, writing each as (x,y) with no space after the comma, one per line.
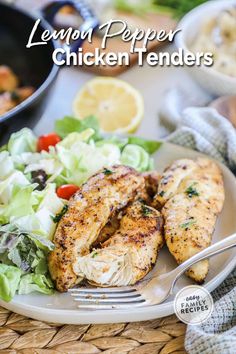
(117,105)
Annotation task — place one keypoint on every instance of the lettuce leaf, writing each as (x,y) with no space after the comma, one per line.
(35,282)
(83,160)
(30,224)
(68,125)
(150,146)
(8,239)
(136,157)
(26,251)
(7,185)
(22,141)
(45,218)
(9,281)
(27,256)
(49,199)
(74,137)
(25,266)
(40,224)
(32,211)
(21,203)
(115,140)
(7,165)
(42,242)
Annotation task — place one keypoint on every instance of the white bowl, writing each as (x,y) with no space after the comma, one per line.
(212,80)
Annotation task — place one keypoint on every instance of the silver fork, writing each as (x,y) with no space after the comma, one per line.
(147,292)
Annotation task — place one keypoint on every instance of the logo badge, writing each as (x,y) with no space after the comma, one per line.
(193,304)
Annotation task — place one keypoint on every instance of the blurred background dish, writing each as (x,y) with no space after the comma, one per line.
(215,81)
(226,106)
(151,82)
(137,14)
(33,67)
(218,36)
(11,91)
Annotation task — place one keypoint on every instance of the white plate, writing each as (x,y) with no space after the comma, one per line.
(61,308)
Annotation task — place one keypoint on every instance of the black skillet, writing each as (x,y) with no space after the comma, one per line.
(34,65)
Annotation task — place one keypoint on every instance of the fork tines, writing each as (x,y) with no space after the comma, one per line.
(106,298)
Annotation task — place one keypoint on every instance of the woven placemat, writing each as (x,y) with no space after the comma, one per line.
(19,334)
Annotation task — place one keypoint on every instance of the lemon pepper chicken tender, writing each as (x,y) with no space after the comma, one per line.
(191,202)
(152,179)
(188,230)
(171,179)
(99,199)
(149,189)
(145,194)
(108,230)
(129,254)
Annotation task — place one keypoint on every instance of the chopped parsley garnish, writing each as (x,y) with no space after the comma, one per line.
(191,191)
(58,216)
(146,210)
(94,254)
(187,224)
(107,172)
(161,194)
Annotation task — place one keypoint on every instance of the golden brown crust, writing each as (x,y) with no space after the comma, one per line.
(128,255)
(152,179)
(192,193)
(145,194)
(108,230)
(89,210)
(188,230)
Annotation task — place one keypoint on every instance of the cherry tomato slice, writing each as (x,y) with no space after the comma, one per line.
(45,141)
(66,191)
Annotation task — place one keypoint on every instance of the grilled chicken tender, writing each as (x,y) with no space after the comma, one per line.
(188,229)
(152,179)
(144,193)
(89,210)
(129,254)
(171,180)
(149,189)
(191,206)
(109,229)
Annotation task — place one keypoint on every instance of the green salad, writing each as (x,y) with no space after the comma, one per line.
(37,177)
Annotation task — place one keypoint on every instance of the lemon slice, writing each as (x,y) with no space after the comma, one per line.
(117,105)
